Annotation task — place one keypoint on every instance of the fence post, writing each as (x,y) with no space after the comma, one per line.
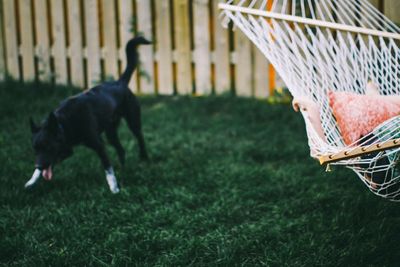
(126,33)
(10,38)
(110,54)
(202,53)
(26,30)
(261,74)
(146,68)
(164,48)
(92,41)
(392,10)
(243,63)
(42,40)
(2,50)
(59,44)
(221,53)
(271,69)
(182,47)
(75,43)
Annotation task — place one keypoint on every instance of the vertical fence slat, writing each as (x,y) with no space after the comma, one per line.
(164,48)
(11,39)
(375,3)
(59,44)
(42,40)
(243,64)
(221,53)
(182,47)
(110,39)
(75,42)
(92,41)
(202,55)
(125,30)
(125,26)
(144,24)
(271,69)
(392,10)
(26,30)
(2,54)
(261,74)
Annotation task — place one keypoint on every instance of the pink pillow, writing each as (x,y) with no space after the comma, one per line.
(357,115)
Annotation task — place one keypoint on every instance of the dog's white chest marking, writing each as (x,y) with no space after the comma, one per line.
(34,179)
(112,181)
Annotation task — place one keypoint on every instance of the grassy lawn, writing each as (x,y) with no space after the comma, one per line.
(230,183)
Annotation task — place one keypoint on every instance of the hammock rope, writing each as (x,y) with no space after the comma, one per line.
(318,46)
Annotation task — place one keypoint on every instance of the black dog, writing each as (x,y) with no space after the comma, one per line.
(82,119)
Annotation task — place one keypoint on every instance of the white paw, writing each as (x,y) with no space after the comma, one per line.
(29,184)
(114,190)
(112,181)
(34,179)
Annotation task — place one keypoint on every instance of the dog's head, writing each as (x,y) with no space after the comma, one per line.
(49,144)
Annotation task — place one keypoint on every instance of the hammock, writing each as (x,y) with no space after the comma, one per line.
(318,46)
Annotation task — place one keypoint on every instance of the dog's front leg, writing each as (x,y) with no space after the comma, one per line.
(112,180)
(98,147)
(34,179)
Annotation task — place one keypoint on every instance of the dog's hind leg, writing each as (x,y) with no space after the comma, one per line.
(97,145)
(133,118)
(112,137)
(112,180)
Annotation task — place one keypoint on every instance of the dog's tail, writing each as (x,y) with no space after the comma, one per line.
(132,57)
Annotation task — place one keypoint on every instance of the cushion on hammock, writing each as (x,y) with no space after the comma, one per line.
(357,115)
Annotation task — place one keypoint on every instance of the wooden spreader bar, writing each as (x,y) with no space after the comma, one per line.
(307,21)
(359,151)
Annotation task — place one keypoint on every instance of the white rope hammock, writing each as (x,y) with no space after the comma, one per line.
(336,45)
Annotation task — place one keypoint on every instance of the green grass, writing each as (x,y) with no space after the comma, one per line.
(230,182)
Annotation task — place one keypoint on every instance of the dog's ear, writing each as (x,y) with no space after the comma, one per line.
(52,123)
(34,127)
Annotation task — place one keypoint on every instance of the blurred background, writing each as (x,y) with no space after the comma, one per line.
(81,42)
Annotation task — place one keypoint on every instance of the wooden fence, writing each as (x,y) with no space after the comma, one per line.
(81,42)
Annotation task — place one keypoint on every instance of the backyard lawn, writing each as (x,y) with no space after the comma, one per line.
(230,182)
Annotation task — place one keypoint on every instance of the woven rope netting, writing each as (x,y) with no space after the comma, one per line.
(318,46)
